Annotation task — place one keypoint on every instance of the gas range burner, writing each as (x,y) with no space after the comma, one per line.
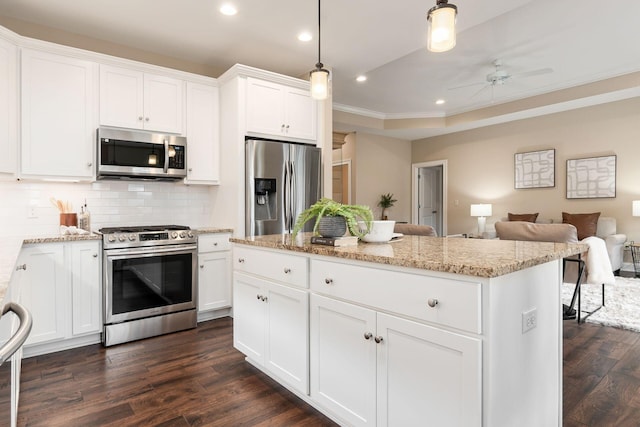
(146,235)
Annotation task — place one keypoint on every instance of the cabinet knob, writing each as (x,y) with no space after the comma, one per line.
(328,281)
(140,118)
(378,339)
(201,266)
(287,270)
(258,296)
(215,243)
(264,299)
(241,260)
(146,119)
(89,164)
(282,126)
(21,267)
(190,169)
(95,255)
(367,335)
(287,128)
(432,302)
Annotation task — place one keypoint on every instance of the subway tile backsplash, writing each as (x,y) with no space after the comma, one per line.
(111,203)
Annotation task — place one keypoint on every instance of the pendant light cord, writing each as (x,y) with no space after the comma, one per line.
(319,64)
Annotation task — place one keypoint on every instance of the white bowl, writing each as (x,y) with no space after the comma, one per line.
(381,231)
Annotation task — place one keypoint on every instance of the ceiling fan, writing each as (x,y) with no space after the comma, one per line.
(500,76)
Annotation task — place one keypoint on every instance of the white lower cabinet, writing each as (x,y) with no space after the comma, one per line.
(371,368)
(214,272)
(61,288)
(271,328)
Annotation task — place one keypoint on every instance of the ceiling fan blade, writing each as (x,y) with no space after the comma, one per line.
(487,86)
(467,85)
(533,73)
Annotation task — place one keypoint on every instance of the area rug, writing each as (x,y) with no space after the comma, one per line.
(622,303)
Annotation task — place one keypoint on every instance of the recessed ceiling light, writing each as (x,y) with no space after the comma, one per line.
(361,79)
(440,101)
(228,9)
(305,36)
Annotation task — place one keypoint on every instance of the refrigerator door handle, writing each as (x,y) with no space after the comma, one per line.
(294,187)
(286,196)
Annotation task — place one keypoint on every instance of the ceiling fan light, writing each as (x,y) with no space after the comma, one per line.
(441,21)
(319,83)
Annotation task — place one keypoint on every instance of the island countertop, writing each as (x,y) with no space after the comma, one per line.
(472,257)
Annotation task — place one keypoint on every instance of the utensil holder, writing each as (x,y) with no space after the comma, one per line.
(69,219)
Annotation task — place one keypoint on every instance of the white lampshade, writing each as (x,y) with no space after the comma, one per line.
(441,27)
(481,210)
(319,84)
(635,210)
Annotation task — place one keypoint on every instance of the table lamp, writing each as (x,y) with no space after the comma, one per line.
(635,209)
(482,211)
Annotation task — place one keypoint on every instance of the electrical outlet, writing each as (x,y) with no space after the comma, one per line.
(529,320)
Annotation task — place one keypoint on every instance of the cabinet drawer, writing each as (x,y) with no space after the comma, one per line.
(213,242)
(285,268)
(458,302)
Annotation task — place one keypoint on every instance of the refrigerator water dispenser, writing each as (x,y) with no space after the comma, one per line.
(265,199)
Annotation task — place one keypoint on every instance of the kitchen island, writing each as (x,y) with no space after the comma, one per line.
(420,331)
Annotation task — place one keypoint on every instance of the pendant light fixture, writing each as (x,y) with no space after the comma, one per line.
(442,26)
(319,77)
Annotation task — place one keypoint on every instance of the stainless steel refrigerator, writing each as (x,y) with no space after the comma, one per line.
(282,180)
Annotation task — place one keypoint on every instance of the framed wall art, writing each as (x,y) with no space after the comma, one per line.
(535,169)
(591,178)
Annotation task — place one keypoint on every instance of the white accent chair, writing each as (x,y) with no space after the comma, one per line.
(606,230)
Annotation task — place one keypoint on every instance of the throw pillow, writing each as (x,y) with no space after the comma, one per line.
(585,223)
(522,217)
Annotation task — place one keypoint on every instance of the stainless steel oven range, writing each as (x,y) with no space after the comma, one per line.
(150,283)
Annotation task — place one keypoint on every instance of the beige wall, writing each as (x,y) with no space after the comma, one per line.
(481,164)
(383,166)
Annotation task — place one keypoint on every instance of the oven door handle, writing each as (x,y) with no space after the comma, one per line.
(150,250)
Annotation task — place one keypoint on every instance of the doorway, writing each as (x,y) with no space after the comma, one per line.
(429,195)
(342,182)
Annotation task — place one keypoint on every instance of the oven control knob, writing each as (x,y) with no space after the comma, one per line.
(112,238)
(132,237)
(189,234)
(174,234)
(183,234)
(122,238)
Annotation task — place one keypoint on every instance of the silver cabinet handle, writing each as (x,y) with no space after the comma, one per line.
(241,260)
(378,339)
(287,270)
(21,267)
(328,281)
(367,335)
(15,342)
(432,302)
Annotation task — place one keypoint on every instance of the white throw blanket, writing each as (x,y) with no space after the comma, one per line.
(597,262)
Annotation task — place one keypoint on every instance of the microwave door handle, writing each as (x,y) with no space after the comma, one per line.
(166,155)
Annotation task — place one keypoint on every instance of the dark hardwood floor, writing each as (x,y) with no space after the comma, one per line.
(196,378)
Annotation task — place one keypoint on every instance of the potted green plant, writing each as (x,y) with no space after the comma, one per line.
(333,218)
(386,201)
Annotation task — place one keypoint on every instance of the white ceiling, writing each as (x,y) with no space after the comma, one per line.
(581,40)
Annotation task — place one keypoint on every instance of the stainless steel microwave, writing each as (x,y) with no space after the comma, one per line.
(127,154)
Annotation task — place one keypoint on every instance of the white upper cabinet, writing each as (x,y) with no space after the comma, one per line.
(58,116)
(8,107)
(137,100)
(203,134)
(279,110)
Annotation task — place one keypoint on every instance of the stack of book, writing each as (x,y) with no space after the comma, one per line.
(335,241)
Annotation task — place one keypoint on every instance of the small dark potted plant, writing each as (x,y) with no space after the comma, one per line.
(386,201)
(333,218)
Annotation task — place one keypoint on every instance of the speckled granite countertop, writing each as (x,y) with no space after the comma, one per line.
(472,257)
(212,230)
